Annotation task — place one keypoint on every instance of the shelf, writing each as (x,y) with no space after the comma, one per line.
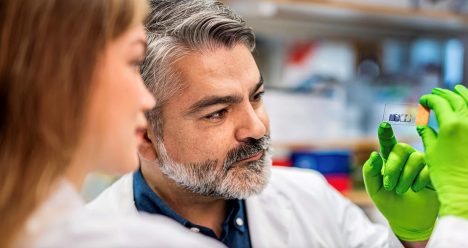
(312,19)
(360,143)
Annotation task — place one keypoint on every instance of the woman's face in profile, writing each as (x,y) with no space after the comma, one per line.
(115,122)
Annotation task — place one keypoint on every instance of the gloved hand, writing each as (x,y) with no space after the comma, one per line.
(388,178)
(447,151)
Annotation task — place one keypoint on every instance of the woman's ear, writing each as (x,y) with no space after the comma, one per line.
(146,149)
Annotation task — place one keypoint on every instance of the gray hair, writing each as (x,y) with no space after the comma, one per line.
(176,28)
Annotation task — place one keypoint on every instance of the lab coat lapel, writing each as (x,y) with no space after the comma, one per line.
(117,199)
(269,215)
(126,200)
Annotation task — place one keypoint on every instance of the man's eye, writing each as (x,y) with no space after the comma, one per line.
(218,115)
(258,97)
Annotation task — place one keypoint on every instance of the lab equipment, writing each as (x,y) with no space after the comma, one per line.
(406,114)
(334,165)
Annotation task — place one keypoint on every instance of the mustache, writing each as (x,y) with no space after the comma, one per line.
(246,150)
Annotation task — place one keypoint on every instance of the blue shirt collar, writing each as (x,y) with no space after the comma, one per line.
(147,200)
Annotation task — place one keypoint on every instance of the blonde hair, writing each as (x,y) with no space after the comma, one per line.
(49,51)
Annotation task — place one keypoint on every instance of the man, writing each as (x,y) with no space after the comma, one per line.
(447,158)
(206,162)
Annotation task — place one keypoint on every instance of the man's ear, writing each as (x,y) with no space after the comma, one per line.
(146,148)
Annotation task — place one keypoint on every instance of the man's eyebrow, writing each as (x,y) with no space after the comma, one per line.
(213,100)
(257,86)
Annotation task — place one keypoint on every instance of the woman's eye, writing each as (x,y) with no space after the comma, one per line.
(218,115)
(258,97)
(136,64)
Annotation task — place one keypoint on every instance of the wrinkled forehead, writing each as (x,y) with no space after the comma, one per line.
(219,71)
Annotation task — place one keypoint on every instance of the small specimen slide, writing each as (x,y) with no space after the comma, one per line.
(406,114)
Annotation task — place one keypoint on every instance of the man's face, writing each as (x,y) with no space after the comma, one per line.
(216,131)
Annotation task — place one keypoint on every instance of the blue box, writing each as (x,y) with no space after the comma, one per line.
(326,162)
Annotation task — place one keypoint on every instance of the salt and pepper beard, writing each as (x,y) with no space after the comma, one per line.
(231,180)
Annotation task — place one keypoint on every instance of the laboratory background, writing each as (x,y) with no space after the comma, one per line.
(331,66)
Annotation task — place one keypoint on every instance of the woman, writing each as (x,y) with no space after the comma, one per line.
(72,101)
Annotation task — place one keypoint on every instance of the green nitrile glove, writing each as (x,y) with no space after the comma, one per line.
(447,151)
(388,178)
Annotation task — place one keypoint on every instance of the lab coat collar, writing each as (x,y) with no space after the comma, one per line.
(278,214)
(119,199)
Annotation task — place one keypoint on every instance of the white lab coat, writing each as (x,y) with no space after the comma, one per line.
(63,221)
(450,231)
(297,209)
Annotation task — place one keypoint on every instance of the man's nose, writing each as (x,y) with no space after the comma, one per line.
(250,125)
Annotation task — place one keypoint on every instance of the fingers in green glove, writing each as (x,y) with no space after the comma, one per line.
(456,101)
(395,163)
(422,180)
(428,135)
(372,173)
(462,91)
(442,108)
(387,139)
(411,170)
